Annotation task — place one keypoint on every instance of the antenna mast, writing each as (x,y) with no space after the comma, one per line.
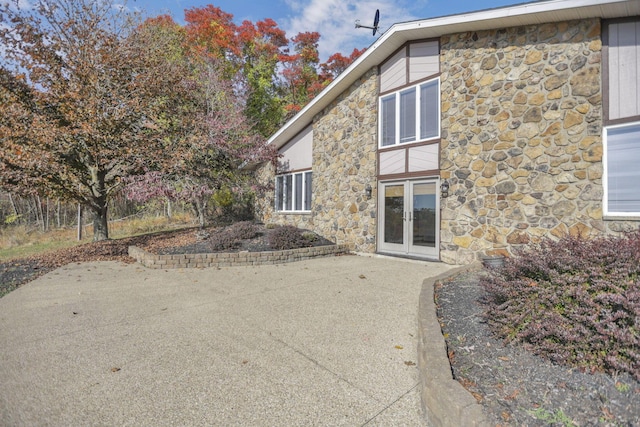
(376,20)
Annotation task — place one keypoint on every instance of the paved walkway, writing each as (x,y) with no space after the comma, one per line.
(323,342)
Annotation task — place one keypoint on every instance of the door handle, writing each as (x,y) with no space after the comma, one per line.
(410,216)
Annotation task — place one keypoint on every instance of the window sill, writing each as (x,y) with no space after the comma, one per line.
(293,212)
(635,217)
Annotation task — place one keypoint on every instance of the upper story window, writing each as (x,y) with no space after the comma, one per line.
(411,114)
(293,192)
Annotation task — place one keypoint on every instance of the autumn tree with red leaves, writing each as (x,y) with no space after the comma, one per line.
(90,98)
(279,76)
(86,99)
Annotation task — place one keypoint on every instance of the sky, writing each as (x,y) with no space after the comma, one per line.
(333,19)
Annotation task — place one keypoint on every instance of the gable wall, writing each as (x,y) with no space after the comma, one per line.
(344,162)
(521,138)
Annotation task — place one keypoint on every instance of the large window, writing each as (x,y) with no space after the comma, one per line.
(411,114)
(622,175)
(293,192)
(621,135)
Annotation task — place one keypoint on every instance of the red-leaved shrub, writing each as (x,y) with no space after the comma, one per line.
(575,301)
(287,237)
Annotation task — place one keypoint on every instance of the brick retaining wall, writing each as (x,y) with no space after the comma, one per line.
(233,259)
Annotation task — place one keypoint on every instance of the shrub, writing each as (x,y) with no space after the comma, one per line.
(224,240)
(231,237)
(243,230)
(574,301)
(310,236)
(287,237)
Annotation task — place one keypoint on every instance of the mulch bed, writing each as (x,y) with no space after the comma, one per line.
(14,273)
(517,388)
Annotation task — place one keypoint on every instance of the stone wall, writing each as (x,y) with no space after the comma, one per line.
(521,137)
(344,162)
(235,259)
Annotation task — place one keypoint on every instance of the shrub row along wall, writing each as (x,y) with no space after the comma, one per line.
(233,259)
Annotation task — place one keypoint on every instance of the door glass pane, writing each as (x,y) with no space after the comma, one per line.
(424,214)
(408,115)
(393,213)
(388,120)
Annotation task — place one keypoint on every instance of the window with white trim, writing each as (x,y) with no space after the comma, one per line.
(621,132)
(621,172)
(411,114)
(293,192)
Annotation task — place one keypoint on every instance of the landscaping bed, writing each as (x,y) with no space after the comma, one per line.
(516,387)
(16,272)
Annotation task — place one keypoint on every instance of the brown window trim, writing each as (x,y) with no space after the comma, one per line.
(409,175)
(293,171)
(406,148)
(622,121)
(416,83)
(409,145)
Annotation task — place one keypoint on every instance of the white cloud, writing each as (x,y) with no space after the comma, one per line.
(335,21)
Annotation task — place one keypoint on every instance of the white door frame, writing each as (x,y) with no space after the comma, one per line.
(402,243)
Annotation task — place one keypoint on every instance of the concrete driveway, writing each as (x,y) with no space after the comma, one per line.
(329,342)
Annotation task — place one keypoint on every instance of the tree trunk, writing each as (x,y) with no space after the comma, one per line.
(169,210)
(200,206)
(99,204)
(100,224)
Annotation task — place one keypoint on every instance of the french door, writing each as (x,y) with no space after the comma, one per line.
(409,218)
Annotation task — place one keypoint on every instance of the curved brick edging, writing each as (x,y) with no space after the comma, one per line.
(233,259)
(444,401)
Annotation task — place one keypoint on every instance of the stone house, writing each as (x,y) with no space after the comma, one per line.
(465,136)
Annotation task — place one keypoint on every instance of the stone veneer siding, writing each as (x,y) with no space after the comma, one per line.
(521,138)
(344,162)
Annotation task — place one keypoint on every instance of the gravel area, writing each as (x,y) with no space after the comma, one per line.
(517,388)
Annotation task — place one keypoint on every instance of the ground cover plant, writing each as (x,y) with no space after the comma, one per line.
(289,237)
(574,301)
(232,236)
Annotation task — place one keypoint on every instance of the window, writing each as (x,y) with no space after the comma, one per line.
(293,192)
(409,113)
(621,135)
(621,177)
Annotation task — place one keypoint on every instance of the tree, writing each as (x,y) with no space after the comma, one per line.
(212,135)
(261,45)
(300,73)
(85,100)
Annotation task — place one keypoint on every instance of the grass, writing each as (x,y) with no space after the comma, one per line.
(22,241)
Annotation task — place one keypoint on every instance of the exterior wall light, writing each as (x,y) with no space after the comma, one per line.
(367,191)
(444,188)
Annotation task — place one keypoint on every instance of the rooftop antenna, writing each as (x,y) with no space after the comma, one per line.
(376,20)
